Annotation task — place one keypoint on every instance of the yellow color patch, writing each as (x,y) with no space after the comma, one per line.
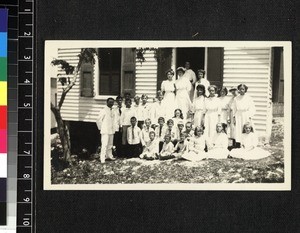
(3,93)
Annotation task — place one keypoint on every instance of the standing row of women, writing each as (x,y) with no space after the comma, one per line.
(209,104)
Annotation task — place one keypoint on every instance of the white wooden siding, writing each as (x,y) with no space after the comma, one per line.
(251,66)
(77,108)
(146,76)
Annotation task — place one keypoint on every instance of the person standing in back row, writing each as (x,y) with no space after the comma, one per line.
(183,87)
(191,76)
(201,80)
(107,126)
(127,113)
(118,134)
(168,89)
(212,111)
(243,110)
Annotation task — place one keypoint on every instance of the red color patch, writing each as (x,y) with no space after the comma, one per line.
(3,117)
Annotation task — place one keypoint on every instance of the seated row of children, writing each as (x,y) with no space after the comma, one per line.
(182,142)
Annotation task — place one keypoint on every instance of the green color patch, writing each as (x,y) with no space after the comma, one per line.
(3,69)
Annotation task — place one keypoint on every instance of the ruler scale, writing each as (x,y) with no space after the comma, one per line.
(12,69)
(25,197)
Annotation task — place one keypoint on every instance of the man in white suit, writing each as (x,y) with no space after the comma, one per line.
(107,125)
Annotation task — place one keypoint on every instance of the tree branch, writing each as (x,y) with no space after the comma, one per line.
(67,89)
(54,110)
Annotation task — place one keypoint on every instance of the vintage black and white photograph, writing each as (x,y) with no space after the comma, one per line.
(167,115)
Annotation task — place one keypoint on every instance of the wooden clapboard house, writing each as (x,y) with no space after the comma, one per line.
(119,71)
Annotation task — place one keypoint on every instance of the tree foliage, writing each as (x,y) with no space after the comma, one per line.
(87,55)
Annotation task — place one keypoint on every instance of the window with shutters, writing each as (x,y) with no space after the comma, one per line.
(109,71)
(86,82)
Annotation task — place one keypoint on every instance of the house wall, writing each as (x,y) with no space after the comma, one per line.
(241,65)
(252,66)
(77,108)
(146,75)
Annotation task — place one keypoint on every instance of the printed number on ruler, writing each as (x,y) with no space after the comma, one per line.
(25,117)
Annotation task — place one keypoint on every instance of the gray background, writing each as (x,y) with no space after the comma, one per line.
(166,211)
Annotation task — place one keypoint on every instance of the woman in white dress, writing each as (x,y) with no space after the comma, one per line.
(234,92)
(212,110)
(198,105)
(191,77)
(168,89)
(217,147)
(195,149)
(243,110)
(183,87)
(203,81)
(249,149)
(225,110)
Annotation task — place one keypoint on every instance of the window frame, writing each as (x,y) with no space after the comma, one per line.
(97,95)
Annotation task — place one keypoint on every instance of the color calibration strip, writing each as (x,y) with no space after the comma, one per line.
(3,114)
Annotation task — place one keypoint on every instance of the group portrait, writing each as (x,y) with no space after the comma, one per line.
(172,113)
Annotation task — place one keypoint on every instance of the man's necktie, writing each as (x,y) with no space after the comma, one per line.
(132,132)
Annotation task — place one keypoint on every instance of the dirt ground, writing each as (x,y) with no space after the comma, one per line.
(135,170)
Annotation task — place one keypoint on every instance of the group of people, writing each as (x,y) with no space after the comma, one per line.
(190,119)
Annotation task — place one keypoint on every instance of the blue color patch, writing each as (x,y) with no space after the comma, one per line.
(3,44)
(3,20)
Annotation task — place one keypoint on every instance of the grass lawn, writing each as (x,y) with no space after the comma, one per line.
(135,170)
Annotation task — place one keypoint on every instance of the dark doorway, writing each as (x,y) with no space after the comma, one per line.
(278,80)
(194,55)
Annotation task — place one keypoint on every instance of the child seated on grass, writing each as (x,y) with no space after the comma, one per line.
(189,129)
(150,150)
(195,150)
(217,147)
(167,149)
(171,130)
(160,131)
(181,146)
(249,149)
(146,130)
(179,130)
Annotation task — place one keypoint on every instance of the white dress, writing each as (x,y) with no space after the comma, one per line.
(150,150)
(212,108)
(195,149)
(183,87)
(249,148)
(231,127)
(169,103)
(225,109)
(198,109)
(243,108)
(203,82)
(217,148)
(191,77)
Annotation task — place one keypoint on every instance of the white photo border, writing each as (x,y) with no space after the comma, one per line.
(53,45)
